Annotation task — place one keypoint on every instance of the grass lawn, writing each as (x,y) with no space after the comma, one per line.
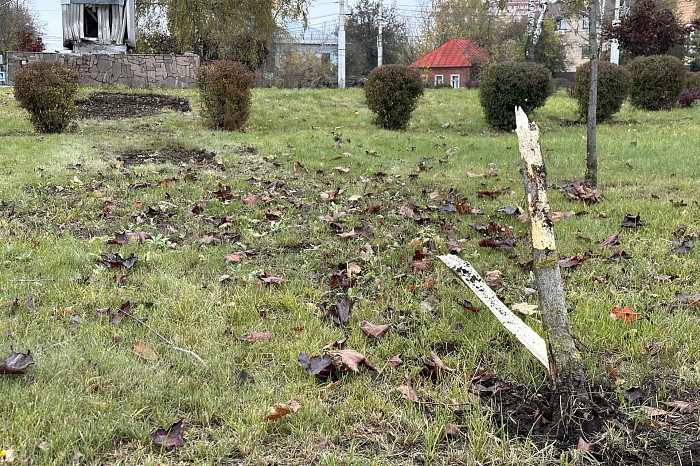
(317,194)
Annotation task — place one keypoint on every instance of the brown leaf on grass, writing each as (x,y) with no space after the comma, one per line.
(525,308)
(341,280)
(653,412)
(474,175)
(339,313)
(124,237)
(662,277)
(353,268)
(282,409)
(466,304)
(452,242)
(375,331)
(451,430)
(681,247)
(632,221)
(610,240)
(408,393)
(253,200)
(685,298)
(171,437)
(633,394)
(578,192)
(683,407)
(494,279)
(619,256)
(433,367)
(493,193)
(261,337)
(265,278)
(16,363)
(224,193)
(352,359)
(240,255)
(626,313)
(585,447)
(113,261)
(342,169)
(497,242)
(319,366)
(145,352)
(511,210)
(614,374)
(421,266)
(365,230)
(571,262)
(395,361)
(558,215)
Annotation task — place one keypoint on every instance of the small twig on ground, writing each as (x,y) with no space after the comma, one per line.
(167,341)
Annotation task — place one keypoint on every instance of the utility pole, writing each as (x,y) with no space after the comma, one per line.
(614,47)
(341,46)
(379,37)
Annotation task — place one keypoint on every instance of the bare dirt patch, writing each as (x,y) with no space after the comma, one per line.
(115,106)
(176,156)
(606,434)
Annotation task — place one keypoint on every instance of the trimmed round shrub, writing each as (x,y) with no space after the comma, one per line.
(392,93)
(613,87)
(46,91)
(224,88)
(693,81)
(656,81)
(509,84)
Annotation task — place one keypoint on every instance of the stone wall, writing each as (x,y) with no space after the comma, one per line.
(139,70)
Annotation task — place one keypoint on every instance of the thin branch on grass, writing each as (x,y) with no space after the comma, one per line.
(165,340)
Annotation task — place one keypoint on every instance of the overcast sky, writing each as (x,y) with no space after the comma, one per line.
(323,15)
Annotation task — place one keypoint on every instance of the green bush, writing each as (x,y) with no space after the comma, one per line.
(224,87)
(46,91)
(392,93)
(656,81)
(693,81)
(613,87)
(509,84)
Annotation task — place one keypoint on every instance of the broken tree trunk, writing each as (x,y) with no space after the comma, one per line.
(566,367)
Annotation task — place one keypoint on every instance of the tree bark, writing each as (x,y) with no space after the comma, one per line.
(591,177)
(566,367)
(534,27)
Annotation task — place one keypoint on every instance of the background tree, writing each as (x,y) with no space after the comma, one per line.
(649,30)
(16,16)
(455,19)
(26,42)
(361,33)
(238,30)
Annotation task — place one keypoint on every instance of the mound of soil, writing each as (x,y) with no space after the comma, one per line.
(604,433)
(176,156)
(113,106)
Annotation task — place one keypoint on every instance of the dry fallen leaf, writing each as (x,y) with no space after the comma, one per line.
(171,437)
(261,337)
(525,308)
(626,313)
(352,359)
(282,409)
(683,407)
(408,393)
(16,363)
(651,412)
(375,331)
(395,361)
(145,351)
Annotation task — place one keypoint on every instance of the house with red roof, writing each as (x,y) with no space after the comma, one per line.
(456,62)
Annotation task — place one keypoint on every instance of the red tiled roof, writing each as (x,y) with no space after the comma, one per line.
(455,53)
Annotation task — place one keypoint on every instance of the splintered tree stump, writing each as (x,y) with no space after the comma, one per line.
(566,367)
